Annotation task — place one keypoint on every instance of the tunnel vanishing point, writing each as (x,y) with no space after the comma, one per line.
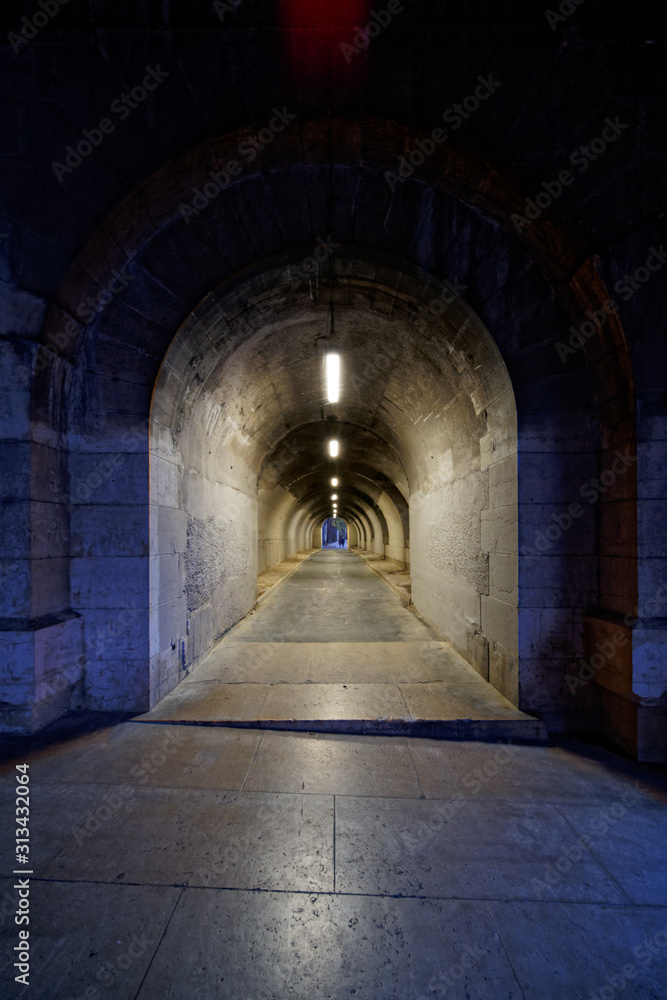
(167,431)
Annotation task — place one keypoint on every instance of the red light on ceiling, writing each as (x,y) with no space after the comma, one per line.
(325,14)
(322,38)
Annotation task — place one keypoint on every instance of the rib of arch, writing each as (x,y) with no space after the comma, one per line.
(165,357)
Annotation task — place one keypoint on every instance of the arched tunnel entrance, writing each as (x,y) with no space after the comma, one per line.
(241,440)
(197,399)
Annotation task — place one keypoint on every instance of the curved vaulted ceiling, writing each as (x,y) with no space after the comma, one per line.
(418,389)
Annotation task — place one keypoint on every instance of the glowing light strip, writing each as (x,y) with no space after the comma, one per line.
(333,377)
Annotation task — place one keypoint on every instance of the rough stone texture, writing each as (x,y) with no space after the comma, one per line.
(119,211)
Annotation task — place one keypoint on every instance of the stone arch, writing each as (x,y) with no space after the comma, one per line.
(91,402)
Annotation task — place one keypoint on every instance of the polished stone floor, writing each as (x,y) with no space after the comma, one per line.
(200,861)
(334,648)
(195,862)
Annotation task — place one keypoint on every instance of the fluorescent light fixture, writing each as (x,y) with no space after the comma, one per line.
(333,377)
(334,482)
(333,448)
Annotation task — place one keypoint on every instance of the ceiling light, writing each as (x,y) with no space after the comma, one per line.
(333,377)
(334,496)
(333,448)
(334,482)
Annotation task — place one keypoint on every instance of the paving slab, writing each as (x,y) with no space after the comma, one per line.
(51,761)
(332,597)
(463,849)
(56,812)
(402,897)
(334,701)
(87,940)
(593,952)
(342,765)
(334,649)
(548,774)
(249,840)
(631,843)
(331,663)
(171,756)
(270,946)
(210,702)
(464,700)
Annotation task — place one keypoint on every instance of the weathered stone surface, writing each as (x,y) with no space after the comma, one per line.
(440,389)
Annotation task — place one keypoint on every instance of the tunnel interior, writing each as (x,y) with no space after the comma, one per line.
(240,465)
(181,435)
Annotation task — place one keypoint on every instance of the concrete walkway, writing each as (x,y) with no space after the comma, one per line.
(194,863)
(335,649)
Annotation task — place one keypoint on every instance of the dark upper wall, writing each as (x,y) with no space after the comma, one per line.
(557,88)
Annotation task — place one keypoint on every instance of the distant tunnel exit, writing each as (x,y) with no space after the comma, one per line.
(334,533)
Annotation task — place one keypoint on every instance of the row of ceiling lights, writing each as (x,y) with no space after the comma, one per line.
(333,394)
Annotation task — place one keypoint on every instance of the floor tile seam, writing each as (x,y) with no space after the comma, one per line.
(418,775)
(180,788)
(582,802)
(504,947)
(259,791)
(402,697)
(354,681)
(525,900)
(333,844)
(254,756)
(598,861)
(159,943)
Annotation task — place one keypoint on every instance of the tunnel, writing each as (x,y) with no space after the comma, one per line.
(184,426)
(240,432)
(333,478)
